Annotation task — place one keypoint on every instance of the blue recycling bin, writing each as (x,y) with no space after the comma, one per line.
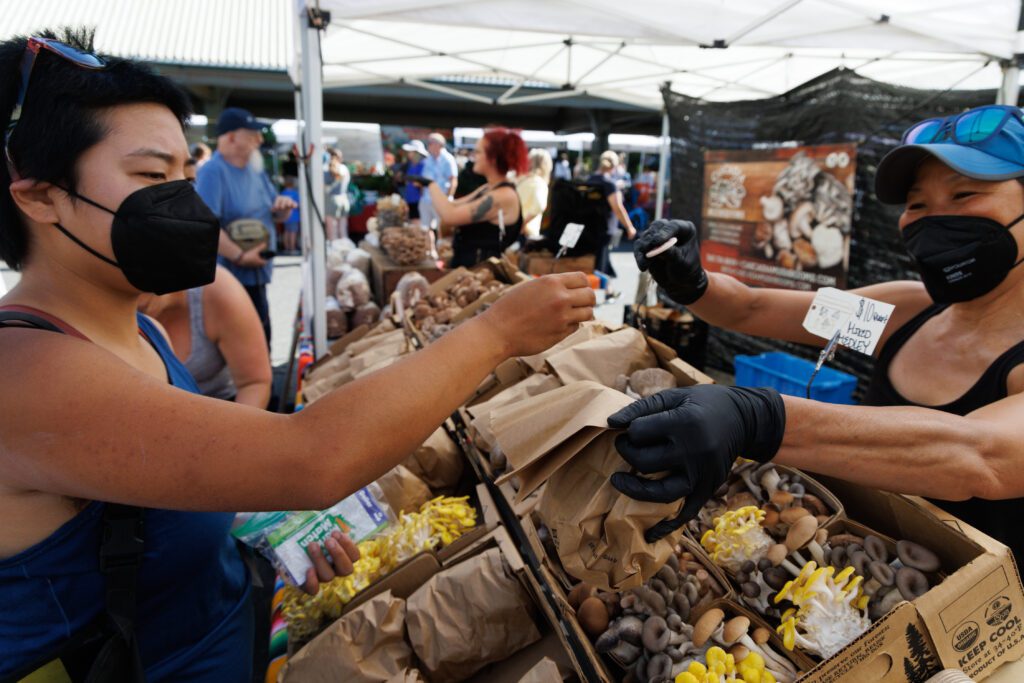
(788,375)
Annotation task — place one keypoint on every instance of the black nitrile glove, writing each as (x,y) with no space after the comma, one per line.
(678,270)
(694,434)
(419,180)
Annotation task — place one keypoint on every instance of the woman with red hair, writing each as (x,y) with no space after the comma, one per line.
(490,219)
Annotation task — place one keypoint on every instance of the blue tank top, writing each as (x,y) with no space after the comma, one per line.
(194,620)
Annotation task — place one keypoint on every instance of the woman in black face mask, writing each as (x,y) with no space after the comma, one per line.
(948,388)
(95,409)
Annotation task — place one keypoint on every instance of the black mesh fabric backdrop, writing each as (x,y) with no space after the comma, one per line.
(837,107)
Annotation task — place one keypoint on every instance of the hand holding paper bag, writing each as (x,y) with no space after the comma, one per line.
(562,437)
(695,434)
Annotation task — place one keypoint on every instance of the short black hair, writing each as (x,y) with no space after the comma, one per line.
(61,117)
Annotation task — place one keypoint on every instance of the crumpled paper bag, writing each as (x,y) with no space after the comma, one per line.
(604,358)
(438,462)
(562,438)
(468,616)
(366,645)
(403,491)
(408,676)
(545,671)
(587,331)
(534,385)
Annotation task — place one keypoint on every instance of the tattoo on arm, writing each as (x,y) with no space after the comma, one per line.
(482,209)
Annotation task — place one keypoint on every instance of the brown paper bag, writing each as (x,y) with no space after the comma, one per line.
(604,358)
(545,671)
(468,616)
(562,437)
(408,676)
(586,332)
(403,490)
(331,366)
(366,645)
(438,462)
(534,385)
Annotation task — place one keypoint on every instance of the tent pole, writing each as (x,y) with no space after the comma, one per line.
(1009,93)
(666,147)
(312,113)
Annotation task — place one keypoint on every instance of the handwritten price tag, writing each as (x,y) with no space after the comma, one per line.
(571,235)
(859,320)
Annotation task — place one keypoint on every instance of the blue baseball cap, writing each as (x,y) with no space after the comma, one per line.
(234,118)
(998,157)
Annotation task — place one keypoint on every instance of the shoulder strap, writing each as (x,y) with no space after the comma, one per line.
(122,541)
(30,320)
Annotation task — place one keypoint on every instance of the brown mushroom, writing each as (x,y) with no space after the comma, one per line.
(875,548)
(579,593)
(882,573)
(735,629)
(845,539)
(593,616)
(782,498)
(706,625)
(917,556)
(814,504)
(911,582)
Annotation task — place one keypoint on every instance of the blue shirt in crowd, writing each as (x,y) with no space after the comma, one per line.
(441,170)
(233,193)
(412,192)
(293,194)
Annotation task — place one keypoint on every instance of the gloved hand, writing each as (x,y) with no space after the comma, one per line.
(694,434)
(419,180)
(678,270)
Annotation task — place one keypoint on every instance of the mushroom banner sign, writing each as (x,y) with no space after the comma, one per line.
(779,217)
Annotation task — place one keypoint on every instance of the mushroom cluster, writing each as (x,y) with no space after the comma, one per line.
(829,610)
(743,644)
(433,313)
(647,629)
(645,382)
(406,246)
(392,212)
(887,579)
(737,538)
(781,494)
(807,217)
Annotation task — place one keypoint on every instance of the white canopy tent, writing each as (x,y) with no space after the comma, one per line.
(551,51)
(709,49)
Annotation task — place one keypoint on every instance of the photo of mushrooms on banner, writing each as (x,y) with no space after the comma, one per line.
(509,341)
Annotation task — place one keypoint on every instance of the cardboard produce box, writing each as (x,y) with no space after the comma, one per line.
(544,263)
(412,575)
(971,621)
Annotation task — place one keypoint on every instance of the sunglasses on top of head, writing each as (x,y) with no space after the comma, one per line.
(33,47)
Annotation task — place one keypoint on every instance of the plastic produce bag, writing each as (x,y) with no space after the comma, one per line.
(282,537)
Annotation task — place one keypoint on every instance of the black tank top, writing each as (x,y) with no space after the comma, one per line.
(476,242)
(999,519)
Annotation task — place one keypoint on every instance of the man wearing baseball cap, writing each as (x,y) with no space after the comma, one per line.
(234,186)
(942,415)
(439,166)
(415,154)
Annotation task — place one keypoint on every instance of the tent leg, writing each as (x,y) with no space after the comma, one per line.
(312,113)
(1010,89)
(666,149)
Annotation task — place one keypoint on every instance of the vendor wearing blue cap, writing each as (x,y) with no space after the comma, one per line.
(944,411)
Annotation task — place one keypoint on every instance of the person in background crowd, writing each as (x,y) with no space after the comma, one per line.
(190,170)
(234,189)
(98,410)
(440,167)
(461,158)
(490,219)
(942,415)
(416,153)
(216,333)
(201,153)
(337,205)
(533,191)
(292,221)
(562,170)
(469,180)
(621,176)
(603,179)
